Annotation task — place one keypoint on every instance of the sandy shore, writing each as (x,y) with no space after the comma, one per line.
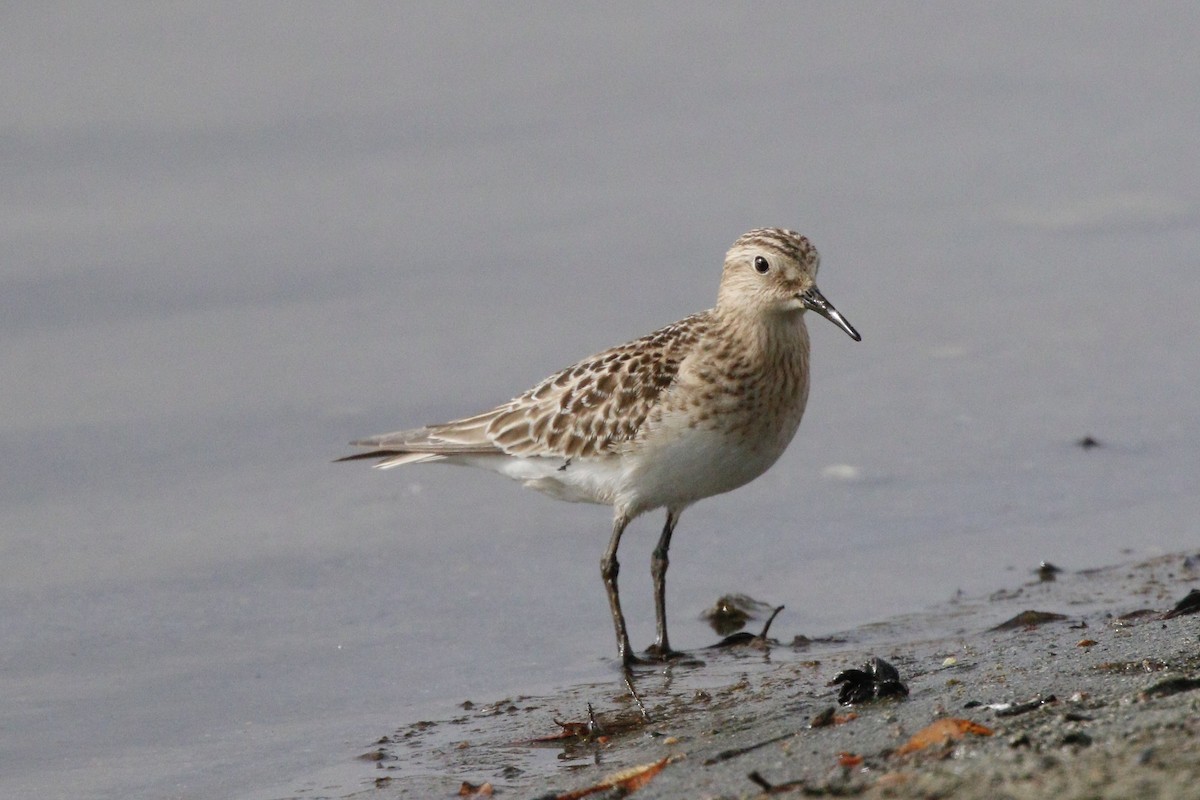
(1100,700)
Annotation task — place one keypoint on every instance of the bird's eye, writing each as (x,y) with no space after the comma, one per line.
(760,265)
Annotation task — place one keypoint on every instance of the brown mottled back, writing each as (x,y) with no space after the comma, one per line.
(588,408)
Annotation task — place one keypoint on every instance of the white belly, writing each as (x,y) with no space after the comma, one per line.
(669,471)
(676,471)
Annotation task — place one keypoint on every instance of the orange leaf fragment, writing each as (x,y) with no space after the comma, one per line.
(849,760)
(566,730)
(830,717)
(633,779)
(627,780)
(471,790)
(942,732)
(1086,643)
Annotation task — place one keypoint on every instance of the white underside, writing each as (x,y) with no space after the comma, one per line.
(668,471)
(676,471)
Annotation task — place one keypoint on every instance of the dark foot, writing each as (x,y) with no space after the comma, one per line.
(657,654)
(629,661)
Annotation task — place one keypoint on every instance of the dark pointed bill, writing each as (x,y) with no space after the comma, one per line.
(815,301)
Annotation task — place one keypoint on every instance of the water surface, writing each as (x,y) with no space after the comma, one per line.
(236,239)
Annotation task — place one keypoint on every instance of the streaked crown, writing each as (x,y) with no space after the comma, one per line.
(787,244)
(766,269)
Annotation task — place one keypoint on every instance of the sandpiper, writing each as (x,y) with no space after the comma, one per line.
(694,409)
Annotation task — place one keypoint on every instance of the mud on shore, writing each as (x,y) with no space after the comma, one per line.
(1094,694)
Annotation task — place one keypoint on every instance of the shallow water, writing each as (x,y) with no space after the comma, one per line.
(237,242)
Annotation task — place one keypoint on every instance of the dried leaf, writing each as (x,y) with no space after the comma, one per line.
(849,760)
(1168,687)
(1086,643)
(627,780)
(567,730)
(589,731)
(633,779)
(1028,619)
(824,719)
(1141,615)
(1190,604)
(830,717)
(471,790)
(941,732)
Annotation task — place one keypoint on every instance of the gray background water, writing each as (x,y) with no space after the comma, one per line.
(236,237)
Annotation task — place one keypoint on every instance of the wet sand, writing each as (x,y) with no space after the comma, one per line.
(1101,702)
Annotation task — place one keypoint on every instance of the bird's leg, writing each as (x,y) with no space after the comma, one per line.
(661,649)
(608,571)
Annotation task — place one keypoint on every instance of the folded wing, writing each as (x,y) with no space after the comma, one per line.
(586,410)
